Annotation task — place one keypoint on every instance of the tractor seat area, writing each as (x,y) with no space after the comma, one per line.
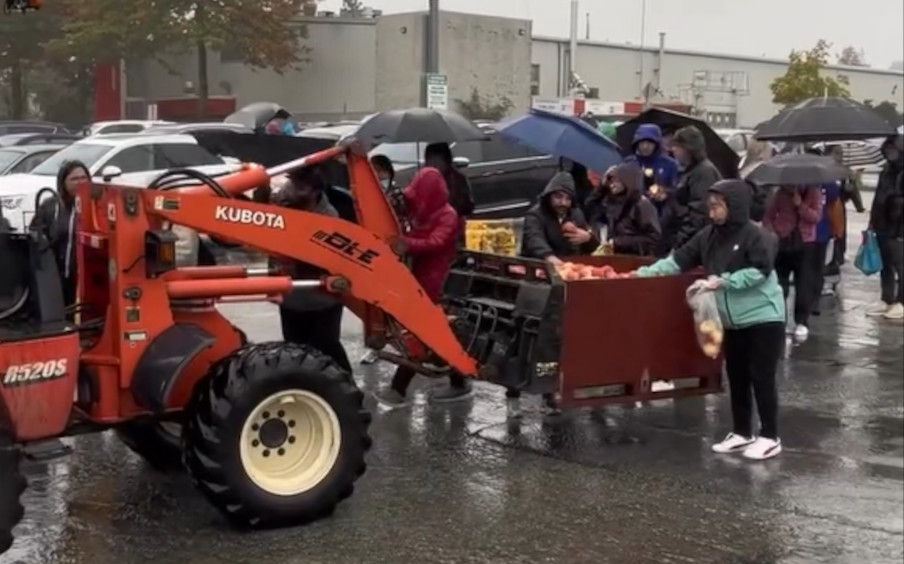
(14,274)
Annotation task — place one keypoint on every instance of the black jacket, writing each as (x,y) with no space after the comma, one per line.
(543,235)
(55,219)
(733,246)
(686,213)
(632,221)
(886,215)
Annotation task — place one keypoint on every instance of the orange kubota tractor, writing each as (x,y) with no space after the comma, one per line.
(275,434)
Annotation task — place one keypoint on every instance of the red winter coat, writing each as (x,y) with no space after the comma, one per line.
(434,230)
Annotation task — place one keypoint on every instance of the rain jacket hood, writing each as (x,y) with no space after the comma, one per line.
(648,132)
(426,195)
(631,177)
(561,182)
(738,195)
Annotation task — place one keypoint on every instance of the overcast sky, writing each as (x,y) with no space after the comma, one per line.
(744,27)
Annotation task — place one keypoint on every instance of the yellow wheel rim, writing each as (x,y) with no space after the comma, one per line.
(290,442)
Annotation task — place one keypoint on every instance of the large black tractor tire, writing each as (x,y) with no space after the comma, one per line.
(276,435)
(12,484)
(159,445)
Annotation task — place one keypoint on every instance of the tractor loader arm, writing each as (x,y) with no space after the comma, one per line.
(360,254)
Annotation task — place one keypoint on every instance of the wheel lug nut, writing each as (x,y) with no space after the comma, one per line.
(255,427)
(291,423)
(281,451)
(266,453)
(280,414)
(266,415)
(291,440)
(255,443)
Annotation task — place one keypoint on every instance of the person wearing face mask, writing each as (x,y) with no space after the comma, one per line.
(886,219)
(632,220)
(308,317)
(386,174)
(738,256)
(555,227)
(686,213)
(56,220)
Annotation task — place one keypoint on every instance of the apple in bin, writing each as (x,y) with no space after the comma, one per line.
(570,271)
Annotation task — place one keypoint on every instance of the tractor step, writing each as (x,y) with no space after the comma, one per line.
(45,451)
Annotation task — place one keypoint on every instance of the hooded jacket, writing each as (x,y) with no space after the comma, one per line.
(632,220)
(741,254)
(782,216)
(543,235)
(435,227)
(886,216)
(687,213)
(658,168)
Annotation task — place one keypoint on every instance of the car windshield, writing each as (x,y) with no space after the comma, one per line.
(8,157)
(87,153)
(401,153)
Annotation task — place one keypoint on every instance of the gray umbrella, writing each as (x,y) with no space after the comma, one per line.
(418,125)
(797,170)
(256,115)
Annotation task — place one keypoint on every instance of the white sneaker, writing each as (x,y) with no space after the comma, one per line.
(801,332)
(895,311)
(662,386)
(763,448)
(732,443)
(878,309)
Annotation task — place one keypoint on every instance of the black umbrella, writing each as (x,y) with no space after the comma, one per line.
(825,119)
(719,152)
(797,170)
(418,125)
(257,115)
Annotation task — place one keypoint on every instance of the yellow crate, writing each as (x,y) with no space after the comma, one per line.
(494,236)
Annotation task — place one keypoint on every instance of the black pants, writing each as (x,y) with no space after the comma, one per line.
(751,361)
(892,275)
(319,329)
(403,377)
(799,264)
(818,265)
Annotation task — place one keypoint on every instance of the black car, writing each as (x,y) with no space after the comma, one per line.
(19,139)
(10,127)
(505,177)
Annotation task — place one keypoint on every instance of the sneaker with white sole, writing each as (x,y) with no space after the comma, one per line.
(391,398)
(662,386)
(732,443)
(801,333)
(763,449)
(878,309)
(895,311)
(369,357)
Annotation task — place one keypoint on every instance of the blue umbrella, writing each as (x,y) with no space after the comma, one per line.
(562,136)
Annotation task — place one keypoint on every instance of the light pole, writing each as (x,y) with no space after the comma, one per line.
(643,35)
(432,59)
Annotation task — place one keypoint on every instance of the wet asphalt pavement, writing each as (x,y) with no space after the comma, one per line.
(456,484)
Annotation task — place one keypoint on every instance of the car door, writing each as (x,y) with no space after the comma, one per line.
(508,178)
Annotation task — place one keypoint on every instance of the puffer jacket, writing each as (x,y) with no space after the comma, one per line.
(435,228)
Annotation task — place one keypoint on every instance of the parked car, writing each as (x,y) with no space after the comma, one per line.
(21,159)
(18,139)
(505,177)
(121,126)
(129,159)
(9,127)
(189,128)
(737,139)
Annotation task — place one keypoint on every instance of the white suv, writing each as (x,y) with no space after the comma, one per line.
(133,160)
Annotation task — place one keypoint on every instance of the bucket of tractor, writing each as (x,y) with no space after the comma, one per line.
(592,341)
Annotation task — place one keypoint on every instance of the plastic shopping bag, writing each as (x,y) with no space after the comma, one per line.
(869,259)
(707,323)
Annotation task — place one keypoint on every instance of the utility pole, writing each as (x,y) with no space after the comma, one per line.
(643,33)
(432,59)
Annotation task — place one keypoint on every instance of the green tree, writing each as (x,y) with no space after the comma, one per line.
(355,8)
(478,107)
(22,51)
(888,110)
(264,33)
(805,79)
(852,57)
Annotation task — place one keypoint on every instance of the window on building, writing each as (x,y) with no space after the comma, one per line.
(535,80)
(593,93)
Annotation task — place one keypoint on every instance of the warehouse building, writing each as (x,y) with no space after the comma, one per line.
(359,65)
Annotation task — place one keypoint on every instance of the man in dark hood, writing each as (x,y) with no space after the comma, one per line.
(555,227)
(632,225)
(660,172)
(439,156)
(687,213)
(886,219)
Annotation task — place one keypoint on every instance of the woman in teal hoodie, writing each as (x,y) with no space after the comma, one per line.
(739,258)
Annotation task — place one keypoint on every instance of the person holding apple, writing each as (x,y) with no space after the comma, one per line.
(555,226)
